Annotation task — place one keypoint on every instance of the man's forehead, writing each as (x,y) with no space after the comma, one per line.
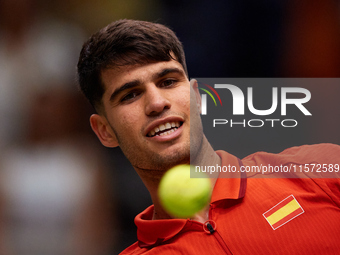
(115,77)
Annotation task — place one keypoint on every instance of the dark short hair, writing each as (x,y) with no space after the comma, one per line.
(124,42)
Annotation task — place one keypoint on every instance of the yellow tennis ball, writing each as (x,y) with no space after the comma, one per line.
(182,196)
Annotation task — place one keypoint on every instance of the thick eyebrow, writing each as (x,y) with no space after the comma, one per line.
(136,83)
(126,86)
(167,71)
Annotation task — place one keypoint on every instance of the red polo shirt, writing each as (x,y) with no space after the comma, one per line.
(256,215)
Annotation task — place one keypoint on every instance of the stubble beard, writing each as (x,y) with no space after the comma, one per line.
(154,161)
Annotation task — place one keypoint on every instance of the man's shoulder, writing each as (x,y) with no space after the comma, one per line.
(322,149)
(316,161)
(325,152)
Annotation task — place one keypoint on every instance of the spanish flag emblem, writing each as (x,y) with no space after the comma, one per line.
(283,212)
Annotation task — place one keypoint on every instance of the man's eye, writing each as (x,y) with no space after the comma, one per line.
(130,96)
(168,83)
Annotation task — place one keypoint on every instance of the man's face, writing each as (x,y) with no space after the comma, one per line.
(147,108)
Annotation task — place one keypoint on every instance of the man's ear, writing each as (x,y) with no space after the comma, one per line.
(103,131)
(194,85)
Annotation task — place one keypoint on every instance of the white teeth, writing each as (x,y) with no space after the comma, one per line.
(172,126)
(164,133)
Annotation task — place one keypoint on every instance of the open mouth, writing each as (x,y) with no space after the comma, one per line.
(165,129)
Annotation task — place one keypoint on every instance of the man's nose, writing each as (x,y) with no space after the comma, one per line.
(156,101)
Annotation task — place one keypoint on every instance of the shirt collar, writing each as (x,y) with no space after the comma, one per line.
(229,185)
(151,233)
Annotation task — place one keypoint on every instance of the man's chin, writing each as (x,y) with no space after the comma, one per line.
(164,162)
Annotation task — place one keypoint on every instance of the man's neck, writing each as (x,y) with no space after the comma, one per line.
(205,156)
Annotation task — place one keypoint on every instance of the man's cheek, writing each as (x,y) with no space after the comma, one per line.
(184,98)
(128,118)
